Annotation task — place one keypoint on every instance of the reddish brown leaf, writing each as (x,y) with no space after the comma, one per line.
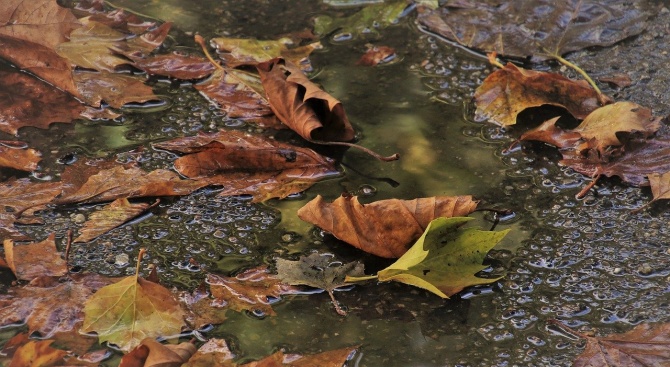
(50,306)
(302,105)
(154,354)
(27,101)
(551,134)
(246,164)
(118,19)
(202,310)
(620,80)
(508,91)
(176,65)
(241,95)
(16,197)
(249,290)
(385,228)
(115,89)
(213,353)
(331,358)
(36,259)
(16,155)
(110,217)
(376,55)
(42,22)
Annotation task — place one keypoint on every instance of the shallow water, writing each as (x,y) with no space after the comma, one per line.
(589,262)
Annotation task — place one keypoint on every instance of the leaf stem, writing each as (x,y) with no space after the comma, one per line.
(493,60)
(349,279)
(338,308)
(601,97)
(139,260)
(390,158)
(201,41)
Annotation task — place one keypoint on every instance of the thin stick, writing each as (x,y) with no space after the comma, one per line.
(393,157)
(588,187)
(67,250)
(201,41)
(338,309)
(601,97)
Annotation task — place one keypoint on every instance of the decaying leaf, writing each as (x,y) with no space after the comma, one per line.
(539,28)
(115,89)
(445,259)
(111,216)
(248,164)
(49,306)
(175,65)
(17,196)
(34,260)
(331,358)
(508,91)
(367,21)
(16,155)
(213,353)
(38,353)
(241,51)
(302,105)
(151,353)
(384,228)
(202,310)
(376,55)
(250,290)
(130,310)
(660,185)
(318,271)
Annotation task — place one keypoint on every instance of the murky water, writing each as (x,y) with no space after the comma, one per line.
(589,262)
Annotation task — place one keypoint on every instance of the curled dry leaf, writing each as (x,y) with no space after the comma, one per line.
(384,228)
(111,216)
(242,51)
(510,90)
(16,155)
(115,89)
(34,260)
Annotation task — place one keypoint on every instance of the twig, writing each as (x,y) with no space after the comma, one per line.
(588,187)
(67,250)
(393,157)
(338,308)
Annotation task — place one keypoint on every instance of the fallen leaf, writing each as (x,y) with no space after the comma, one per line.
(175,65)
(27,101)
(376,55)
(331,358)
(202,309)
(130,310)
(302,105)
(151,353)
(118,19)
(384,228)
(38,353)
(240,94)
(247,164)
(368,20)
(660,186)
(619,80)
(445,259)
(250,290)
(49,306)
(16,155)
(16,197)
(540,28)
(111,216)
(551,134)
(213,353)
(508,91)
(115,89)
(241,51)
(35,259)
(318,271)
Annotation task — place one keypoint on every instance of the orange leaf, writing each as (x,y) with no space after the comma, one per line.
(110,217)
(16,155)
(36,259)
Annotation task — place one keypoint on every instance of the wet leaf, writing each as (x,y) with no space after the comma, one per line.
(35,259)
(250,290)
(240,94)
(445,259)
(331,358)
(539,28)
(111,216)
(213,353)
(151,353)
(49,306)
(384,228)
(16,197)
(247,164)
(16,155)
(202,310)
(241,51)
(367,21)
(115,89)
(38,353)
(508,91)
(376,55)
(660,185)
(318,271)
(302,105)
(176,65)
(130,310)
(27,101)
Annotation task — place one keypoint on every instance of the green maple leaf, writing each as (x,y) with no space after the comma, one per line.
(444,260)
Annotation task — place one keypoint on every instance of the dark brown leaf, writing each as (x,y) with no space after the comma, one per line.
(34,260)
(302,105)
(385,228)
(110,217)
(16,155)
(539,28)
(376,55)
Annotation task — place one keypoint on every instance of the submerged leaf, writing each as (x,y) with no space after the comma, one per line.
(38,353)
(34,260)
(18,196)
(151,353)
(367,21)
(241,51)
(213,353)
(175,65)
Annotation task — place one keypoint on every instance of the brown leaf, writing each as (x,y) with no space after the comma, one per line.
(247,164)
(34,260)
(115,89)
(50,306)
(619,80)
(385,228)
(176,65)
(213,353)
(202,310)
(249,290)
(551,134)
(42,22)
(110,217)
(539,28)
(660,185)
(151,353)
(331,358)
(508,91)
(241,51)
(38,353)
(118,19)
(27,101)
(376,55)
(16,155)
(240,94)
(302,105)
(16,197)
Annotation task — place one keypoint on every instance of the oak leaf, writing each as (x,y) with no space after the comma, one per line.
(302,105)
(34,260)
(508,91)
(240,51)
(16,155)
(384,228)
(365,22)
(130,310)
(445,259)
(540,28)
(111,216)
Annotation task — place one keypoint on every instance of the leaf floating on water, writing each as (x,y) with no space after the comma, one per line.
(151,353)
(111,216)
(240,51)
(368,20)
(115,89)
(16,155)
(19,196)
(175,65)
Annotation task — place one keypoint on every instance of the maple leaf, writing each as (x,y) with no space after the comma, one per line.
(318,271)
(444,260)
(130,310)
(33,260)
(111,216)
(368,20)
(241,51)
(384,228)
(16,155)
(557,27)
